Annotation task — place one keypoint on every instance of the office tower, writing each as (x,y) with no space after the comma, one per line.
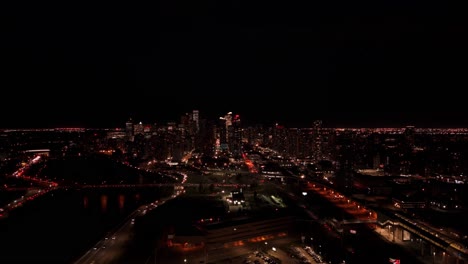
(317,140)
(138,129)
(196,119)
(235,137)
(129,130)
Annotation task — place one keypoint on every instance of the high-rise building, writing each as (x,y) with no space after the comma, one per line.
(317,140)
(138,129)
(196,119)
(228,118)
(225,125)
(129,130)
(409,134)
(235,136)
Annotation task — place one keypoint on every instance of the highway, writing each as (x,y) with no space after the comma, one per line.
(32,193)
(145,185)
(110,248)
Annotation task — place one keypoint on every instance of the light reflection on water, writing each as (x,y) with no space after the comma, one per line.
(104,203)
(121,202)
(64,225)
(85,201)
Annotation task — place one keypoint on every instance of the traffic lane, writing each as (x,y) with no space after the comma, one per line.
(112,246)
(108,250)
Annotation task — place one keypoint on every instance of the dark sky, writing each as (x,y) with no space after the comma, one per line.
(353,63)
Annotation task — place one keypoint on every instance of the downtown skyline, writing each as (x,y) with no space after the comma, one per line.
(345,119)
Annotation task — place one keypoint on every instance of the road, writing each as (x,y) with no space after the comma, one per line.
(110,248)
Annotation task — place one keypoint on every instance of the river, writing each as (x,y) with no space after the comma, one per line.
(61,225)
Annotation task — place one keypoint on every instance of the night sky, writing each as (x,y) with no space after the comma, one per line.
(350,63)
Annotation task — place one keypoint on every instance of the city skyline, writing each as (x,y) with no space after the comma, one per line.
(133,195)
(233,132)
(336,119)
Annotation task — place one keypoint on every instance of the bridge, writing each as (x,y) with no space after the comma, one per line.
(17,189)
(152,185)
(37,151)
(358,221)
(407,228)
(428,234)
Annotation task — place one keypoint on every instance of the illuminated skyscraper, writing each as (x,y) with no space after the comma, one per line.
(138,129)
(226,131)
(235,136)
(129,130)
(222,136)
(196,119)
(409,134)
(228,118)
(317,141)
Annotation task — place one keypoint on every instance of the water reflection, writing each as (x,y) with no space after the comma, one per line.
(85,202)
(103,203)
(121,202)
(71,220)
(111,202)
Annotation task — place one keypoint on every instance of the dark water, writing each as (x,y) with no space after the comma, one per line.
(60,226)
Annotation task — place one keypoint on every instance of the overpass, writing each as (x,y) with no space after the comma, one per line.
(433,236)
(405,230)
(17,189)
(358,221)
(38,151)
(151,185)
(428,234)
